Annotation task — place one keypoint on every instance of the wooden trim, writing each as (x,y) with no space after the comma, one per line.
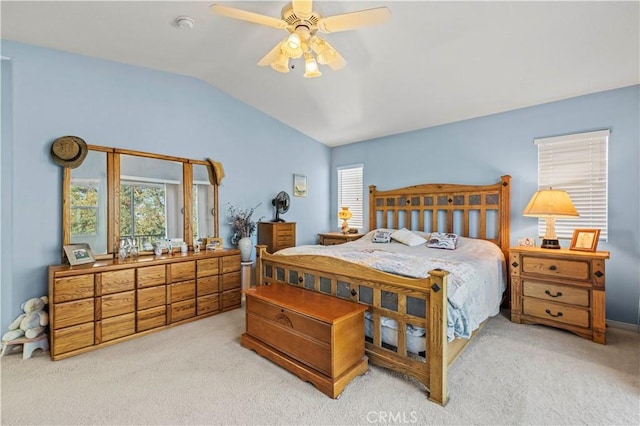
(151,155)
(187,215)
(66,210)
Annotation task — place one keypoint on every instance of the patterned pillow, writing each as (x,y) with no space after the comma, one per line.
(442,241)
(407,237)
(381,236)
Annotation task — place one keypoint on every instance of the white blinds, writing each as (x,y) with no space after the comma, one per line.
(350,194)
(577,164)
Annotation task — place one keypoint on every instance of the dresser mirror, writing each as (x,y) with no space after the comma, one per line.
(117,195)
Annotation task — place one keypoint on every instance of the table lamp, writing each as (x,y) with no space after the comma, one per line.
(549,204)
(345,215)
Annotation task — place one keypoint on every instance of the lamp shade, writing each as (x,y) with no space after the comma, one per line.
(550,202)
(345,214)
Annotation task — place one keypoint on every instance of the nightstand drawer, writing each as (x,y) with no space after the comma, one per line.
(556,312)
(556,293)
(562,268)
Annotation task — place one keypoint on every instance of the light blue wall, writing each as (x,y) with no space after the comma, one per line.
(479,151)
(106,103)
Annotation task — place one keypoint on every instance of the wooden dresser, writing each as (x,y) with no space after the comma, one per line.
(318,338)
(560,288)
(277,235)
(106,302)
(334,238)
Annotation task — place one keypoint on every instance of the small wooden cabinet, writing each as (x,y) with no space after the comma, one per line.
(318,338)
(334,238)
(277,235)
(109,301)
(560,288)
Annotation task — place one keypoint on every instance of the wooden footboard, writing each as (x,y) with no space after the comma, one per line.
(408,301)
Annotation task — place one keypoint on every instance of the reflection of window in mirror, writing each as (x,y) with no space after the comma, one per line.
(88,203)
(151,200)
(203,204)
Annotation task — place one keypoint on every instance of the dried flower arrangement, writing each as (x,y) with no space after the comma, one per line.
(241,222)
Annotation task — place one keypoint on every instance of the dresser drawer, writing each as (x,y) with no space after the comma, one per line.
(150,276)
(208,304)
(72,313)
(120,326)
(152,297)
(73,338)
(231,299)
(117,281)
(556,293)
(182,291)
(231,281)
(183,271)
(183,310)
(151,318)
(282,336)
(73,288)
(556,312)
(207,267)
(118,304)
(561,268)
(208,285)
(301,323)
(230,263)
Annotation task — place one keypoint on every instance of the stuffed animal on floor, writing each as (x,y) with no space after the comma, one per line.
(30,324)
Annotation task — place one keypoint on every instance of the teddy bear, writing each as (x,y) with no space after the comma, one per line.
(30,324)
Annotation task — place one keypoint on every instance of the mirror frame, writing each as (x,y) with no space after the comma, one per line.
(113,196)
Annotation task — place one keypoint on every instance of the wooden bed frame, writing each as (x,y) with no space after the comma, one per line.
(468,210)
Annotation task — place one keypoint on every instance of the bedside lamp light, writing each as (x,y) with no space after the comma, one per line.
(345,215)
(549,204)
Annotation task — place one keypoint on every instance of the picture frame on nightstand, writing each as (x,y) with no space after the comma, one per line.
(585,240)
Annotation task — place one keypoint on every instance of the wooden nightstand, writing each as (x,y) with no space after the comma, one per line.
(277,235)
(559,288)
(333,238)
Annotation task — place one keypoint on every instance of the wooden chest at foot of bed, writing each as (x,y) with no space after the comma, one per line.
(318,338)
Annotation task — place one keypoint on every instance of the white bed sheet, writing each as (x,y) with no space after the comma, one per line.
(477,278)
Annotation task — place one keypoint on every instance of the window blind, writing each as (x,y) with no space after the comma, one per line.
(576,163)
(350,194)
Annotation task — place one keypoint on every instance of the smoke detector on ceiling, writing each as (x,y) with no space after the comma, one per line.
(185,23)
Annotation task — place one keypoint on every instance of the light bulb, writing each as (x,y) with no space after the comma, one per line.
(311,67)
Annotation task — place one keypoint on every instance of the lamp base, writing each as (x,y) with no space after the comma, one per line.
(550,244)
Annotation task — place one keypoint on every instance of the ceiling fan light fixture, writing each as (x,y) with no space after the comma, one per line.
(311,67)
(291,51)
(281,64)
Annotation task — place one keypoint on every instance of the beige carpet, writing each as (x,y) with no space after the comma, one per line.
(199,374)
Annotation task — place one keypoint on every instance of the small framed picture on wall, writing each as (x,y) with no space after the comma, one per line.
(299,186)
(585,239)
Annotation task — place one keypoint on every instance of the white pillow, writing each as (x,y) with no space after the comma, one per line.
(407,237)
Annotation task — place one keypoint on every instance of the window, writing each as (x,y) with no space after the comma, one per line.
(142,212)
(84,207)
(577,164)
(350,193)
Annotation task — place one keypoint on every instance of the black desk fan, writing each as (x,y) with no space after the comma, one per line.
(281,204)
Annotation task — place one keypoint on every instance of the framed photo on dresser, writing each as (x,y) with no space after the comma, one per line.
(78,254)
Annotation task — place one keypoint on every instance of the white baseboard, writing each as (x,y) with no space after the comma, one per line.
(624,326)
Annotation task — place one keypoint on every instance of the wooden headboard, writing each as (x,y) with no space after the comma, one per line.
(476,211)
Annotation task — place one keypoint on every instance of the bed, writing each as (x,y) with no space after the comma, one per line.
(409,313)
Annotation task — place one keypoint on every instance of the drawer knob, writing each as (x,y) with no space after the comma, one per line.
(559,314)
(300,279)
(514,264)
(552,267)
(598,274)
(548,293)
(353,292)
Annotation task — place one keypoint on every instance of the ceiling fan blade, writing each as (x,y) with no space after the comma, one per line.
(302,7)
(353,20)
(243,15)
(270,57)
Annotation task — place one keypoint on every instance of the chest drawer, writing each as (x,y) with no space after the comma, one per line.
(561,268)
(207,267)
(208,285)
(118,304)
(556,312)
(151,318)
(73,288)
(231,281)
(230,263)
(556,293)
(72,313)
(151,297)
(116,281)
(150,276)
(183,271)
(182,291)
(301,323)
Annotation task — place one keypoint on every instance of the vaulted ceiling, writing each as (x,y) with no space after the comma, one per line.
(431,63)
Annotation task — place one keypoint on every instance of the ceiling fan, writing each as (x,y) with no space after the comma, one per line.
(303,23)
